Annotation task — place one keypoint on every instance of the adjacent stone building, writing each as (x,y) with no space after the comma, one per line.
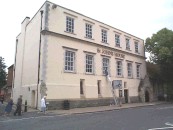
(64,55)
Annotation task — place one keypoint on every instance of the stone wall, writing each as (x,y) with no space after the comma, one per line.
(59,104)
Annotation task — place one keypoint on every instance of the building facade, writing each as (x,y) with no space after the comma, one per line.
(66,56)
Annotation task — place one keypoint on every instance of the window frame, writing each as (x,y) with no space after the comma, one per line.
(119,68)
(127,44)
(136,47)
(92,65)
(104,34)
(131,70)
(107,65)
(117,40)
(71,62)
(138,70)
(88,30)
(69,24)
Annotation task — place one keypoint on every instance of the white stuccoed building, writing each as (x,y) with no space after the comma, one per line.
(69,53)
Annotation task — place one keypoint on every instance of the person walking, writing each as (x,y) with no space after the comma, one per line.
(9,106)
(43,104)
(19,106)
(2,99)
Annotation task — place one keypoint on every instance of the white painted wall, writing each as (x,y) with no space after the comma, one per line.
(63,85)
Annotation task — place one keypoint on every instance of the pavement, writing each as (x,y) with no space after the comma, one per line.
(34,113)
(102,108)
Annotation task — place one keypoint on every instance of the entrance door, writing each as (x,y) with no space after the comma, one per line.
(126,95)
(147,98)
(33,98)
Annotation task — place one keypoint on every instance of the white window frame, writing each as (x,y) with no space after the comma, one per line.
(138,70)
(117,40)
(136,47)
(89,63)
(104,35)
(105,65)
(127,44)
(69,24)
(119,68)
(71,63)
(88,30)
(129,70)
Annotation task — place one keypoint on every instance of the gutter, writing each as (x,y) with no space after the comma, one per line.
(39,55)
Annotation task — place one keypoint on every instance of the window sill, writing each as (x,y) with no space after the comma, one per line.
(105,43)
(118,46)
(106,75)
(72,72)
(120,76)
(89,38)
(70,32)
(137,52)
(82,96)
(128,49)
(89,73)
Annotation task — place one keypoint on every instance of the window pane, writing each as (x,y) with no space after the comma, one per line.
(105,65)
(69,61)
(69,24)
(89,63)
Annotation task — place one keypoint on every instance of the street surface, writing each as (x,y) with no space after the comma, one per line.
(158,117)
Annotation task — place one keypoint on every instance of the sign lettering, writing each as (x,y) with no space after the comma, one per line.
(110,53)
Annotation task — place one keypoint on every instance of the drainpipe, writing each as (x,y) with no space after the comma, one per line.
(39,55)
(14,68)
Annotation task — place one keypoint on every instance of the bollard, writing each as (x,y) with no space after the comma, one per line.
(25,110)
(66,105)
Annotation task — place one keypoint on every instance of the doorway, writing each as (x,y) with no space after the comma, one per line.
(126,95)
(147,97)
(33,98)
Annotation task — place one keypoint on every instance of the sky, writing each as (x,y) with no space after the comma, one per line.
(141,18)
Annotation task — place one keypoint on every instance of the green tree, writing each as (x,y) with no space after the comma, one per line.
(3,73)
(160,47)
(153,70)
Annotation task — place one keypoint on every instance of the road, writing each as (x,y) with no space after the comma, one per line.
(159,117)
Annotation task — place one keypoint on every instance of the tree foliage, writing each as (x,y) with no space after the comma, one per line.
(160,47)
(3,73)
(153,71)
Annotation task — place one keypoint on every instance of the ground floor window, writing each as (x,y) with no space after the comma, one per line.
(82,87)
(99,85)
(138,71)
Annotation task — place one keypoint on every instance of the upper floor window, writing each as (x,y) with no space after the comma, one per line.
(69,24)
(138,71)
(69,61)
(127,44)
(105,63)
(119,68)
(88,30)
(104,36)
(89,63)
(136,47)
(117,40)
(129,70)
